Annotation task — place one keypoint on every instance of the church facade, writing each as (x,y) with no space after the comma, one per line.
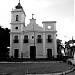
(31,41)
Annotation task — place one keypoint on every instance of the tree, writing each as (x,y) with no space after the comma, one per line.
(59,48)
(70,49)
(4,42)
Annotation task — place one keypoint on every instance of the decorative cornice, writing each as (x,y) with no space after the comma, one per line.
(15,32)
(40,31)
(17,23)
(49,22)
(17,11)
(22,32)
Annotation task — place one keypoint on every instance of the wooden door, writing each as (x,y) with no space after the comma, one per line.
(32,52)
(49,53)
(16,53)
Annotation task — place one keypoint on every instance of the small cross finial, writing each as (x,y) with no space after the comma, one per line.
(19,1)
(32,16)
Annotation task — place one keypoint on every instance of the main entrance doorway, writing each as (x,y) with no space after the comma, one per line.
(16,53)
(49,53)
(32,52)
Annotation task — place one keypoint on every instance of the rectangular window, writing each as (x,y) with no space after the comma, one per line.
(16,40)
(26,39)
(49,40)
(17,17)
(39,40)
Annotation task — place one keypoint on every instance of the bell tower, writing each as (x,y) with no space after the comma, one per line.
(17,26)
(17,18)
(49,36)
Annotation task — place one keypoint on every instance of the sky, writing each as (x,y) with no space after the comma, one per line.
(61,11)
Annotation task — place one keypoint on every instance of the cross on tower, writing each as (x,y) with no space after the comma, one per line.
(32,16)
(19,1)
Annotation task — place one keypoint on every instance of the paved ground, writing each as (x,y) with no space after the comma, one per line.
(72,73)
(34,67)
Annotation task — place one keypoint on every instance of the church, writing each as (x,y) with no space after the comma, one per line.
(31,41)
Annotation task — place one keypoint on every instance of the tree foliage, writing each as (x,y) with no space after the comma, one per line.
(70,46)
(4,42)
(59,48)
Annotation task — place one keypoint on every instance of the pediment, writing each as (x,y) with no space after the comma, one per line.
(32,27)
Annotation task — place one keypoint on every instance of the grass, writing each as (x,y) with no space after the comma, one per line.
(32,68)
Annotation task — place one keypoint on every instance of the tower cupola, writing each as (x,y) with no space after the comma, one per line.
(19,6)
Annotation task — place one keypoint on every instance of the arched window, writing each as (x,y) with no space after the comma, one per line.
(16,37)
(49,40)
(39,39)
(49,36)
(17,17)
(16,40)
(26,39)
